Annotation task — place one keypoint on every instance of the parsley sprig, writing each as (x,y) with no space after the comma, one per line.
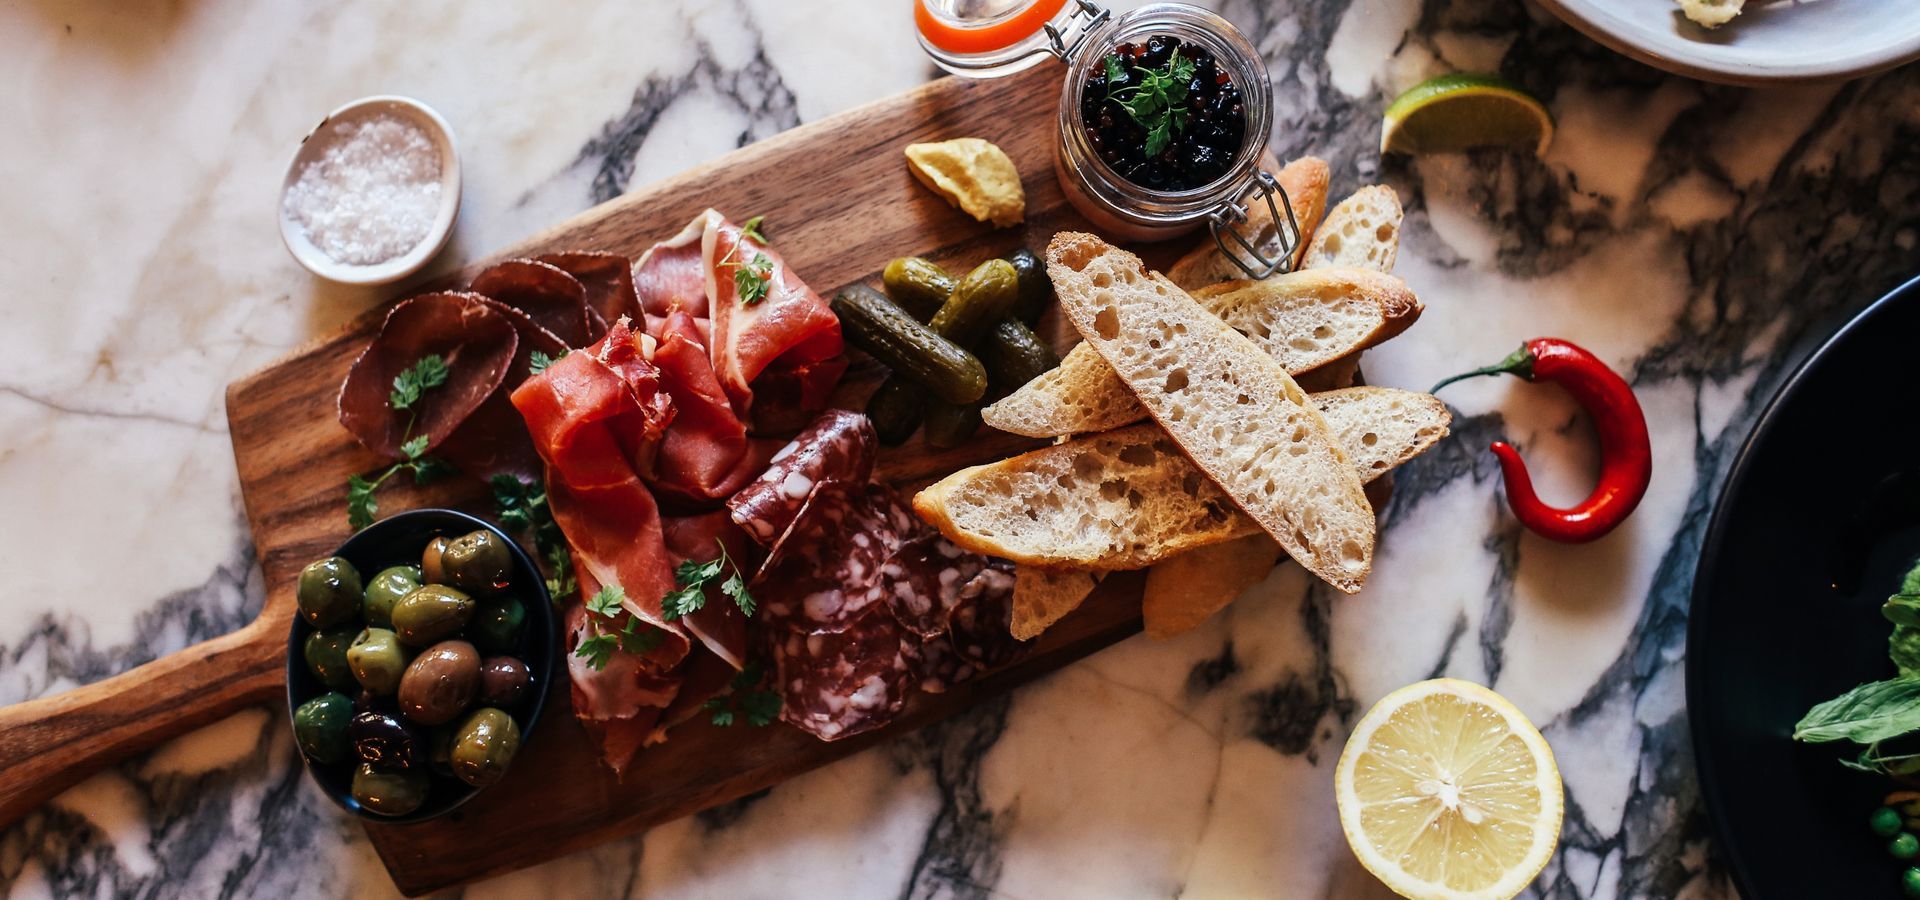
(1157,100)
(522,508)
(538,362)
(753,279)
(413,382)
(634,636)
(759,705)
(693,578)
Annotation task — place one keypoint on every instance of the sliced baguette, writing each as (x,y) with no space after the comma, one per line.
(1042,597)
(1363,232)
(1305,181)
(1185,590)
(1304,320)
(1129,498)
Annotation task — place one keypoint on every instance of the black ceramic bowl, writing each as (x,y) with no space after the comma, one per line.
(399,540)
(1819,518)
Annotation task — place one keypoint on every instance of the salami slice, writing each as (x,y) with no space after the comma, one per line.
(824,572)
(477,345)
(938,666)
(838,445)
(981,625)
(924,580)
(836,685)
(553,298)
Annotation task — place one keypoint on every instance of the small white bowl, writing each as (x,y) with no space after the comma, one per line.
(316,143)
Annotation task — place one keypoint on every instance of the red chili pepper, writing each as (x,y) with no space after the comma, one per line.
(1626,456)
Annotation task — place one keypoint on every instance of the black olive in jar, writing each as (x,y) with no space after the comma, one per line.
(1170,92)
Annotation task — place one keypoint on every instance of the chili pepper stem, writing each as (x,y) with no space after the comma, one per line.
(1519,362)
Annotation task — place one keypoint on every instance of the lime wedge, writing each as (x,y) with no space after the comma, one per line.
(1462,111)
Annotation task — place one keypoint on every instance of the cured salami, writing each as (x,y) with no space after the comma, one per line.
(838,684)
(940,668)
(981,625)
(837,446)
(824,572)
(475,342)
(925,579)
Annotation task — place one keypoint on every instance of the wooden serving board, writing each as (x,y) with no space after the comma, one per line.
(839,203)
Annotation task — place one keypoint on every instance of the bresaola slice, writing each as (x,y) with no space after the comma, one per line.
(553,298)
(838,446)
(494,439)
(476,342)
(608,279)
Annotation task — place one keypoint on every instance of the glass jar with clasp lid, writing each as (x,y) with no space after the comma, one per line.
(1163,118)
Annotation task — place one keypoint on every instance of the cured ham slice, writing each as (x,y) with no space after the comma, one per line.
(719,624)
(706,455)
(672,277)
(622,702)
(790,326)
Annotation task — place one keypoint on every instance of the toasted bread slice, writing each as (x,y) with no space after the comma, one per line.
(1185,590)
(1305,181)
(1232,408)
(1129,498)
(1305,320)
(1042,596)
(1363,232)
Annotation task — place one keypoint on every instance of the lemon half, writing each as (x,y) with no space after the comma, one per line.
(1462,111)
(1447,791)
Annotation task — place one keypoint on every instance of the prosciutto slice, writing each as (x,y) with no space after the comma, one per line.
(719,624)
(622,703)
(706,455)
(791,327)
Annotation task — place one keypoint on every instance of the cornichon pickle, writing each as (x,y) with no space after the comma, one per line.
(1014,355)
(895,410)
(982,298)
(951,424)
(920,286)
(879,326)
(1036,289)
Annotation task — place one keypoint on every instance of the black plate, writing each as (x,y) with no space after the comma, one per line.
(399,540)
(1819,518)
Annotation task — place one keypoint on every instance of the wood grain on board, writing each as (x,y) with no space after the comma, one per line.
(839,203)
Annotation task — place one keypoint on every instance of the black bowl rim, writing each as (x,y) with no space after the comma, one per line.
(1711,788)
(548,635)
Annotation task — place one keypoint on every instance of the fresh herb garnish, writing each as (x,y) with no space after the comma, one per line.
(638,638)
(596,650)
(538,361)
(1880,711)
(607,602)
(1157,100)
(753,280)
(752,230)
(522,508)
(361,503)
(426,373)
(744,697)
(693,578)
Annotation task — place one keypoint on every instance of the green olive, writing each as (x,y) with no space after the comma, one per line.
(320,727)
(389,793)
(1903,846)
(377,660)
(329,592)
(433,612)
(385,590)
(1885,822)
(326,654)
(430,559)
(1910,882)
(497,625)
(484,746)
(477,562)
(440,683)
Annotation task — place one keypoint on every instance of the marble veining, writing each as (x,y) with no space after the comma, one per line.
(1700,238)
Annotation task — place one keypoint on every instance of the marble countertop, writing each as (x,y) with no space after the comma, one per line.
(1700,238)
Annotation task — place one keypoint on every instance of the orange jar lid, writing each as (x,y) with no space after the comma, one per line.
(994,33)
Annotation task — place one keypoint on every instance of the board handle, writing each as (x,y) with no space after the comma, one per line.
(52,743)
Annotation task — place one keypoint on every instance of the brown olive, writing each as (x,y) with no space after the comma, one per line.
(503,681)
(431,570)
(433,612)
(477,562)
(440,682)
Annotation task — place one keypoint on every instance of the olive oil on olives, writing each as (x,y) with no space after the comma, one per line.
(503,682)
(329,592)
(388,792)
(484,746)
(431,571)
(440,683)
(386,589)
(477,562)
(433,612)
(384,741)
(497,624)
(377,660)
(326,655)
(320,727)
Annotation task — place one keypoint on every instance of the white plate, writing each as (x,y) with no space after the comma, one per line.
(316,142)
(1772,42)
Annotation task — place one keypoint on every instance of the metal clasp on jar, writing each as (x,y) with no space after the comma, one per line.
(1229,214)
(1085,21)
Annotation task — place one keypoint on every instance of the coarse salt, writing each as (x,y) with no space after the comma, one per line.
(372,195)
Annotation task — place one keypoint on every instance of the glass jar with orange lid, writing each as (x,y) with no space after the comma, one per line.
(1163,117)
